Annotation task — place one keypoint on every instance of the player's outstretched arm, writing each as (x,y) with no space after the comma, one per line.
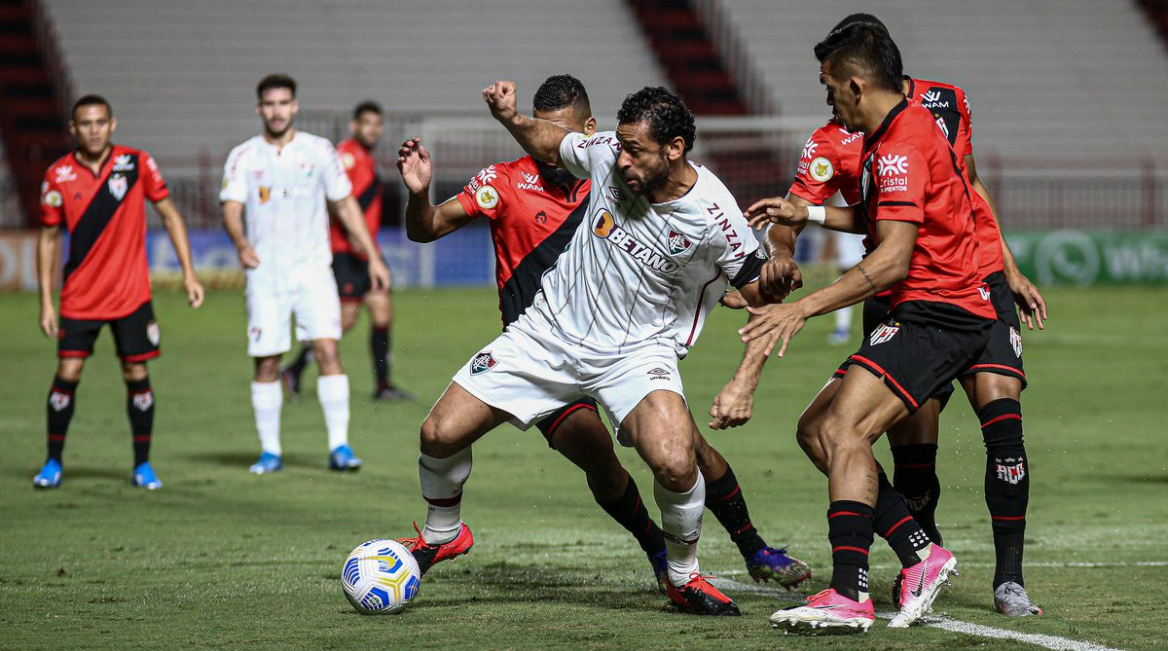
(348,211)
(883,268)
(176,228)
(426,222)
(1031,305)
(539,138)
(47,243)
(233,224)
(797,215)
(734,404)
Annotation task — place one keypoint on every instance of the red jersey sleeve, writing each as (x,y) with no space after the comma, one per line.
(152,182)
(481,197)
(817,178)
(902,176)
(52,202)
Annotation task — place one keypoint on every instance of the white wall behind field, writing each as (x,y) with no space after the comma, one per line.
(181,75)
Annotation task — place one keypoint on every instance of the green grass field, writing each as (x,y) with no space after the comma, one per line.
(222,559)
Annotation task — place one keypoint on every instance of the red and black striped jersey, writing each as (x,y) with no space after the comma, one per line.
(531,223)
(106,273)
(361,166)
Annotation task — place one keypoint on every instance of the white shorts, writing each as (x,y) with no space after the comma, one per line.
(849,249)
(529,372)
(309,294)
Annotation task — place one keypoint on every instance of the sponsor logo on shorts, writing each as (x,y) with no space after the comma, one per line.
(482,363)
(59,401)
(1016,342)
(152,333)
(255,333)
(883,333)
(658,374)
(678,243)
(118,186)
(1011,470)
(143,401)
(821,169)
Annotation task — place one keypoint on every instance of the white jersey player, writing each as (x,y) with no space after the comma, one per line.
(616,312)
(285,179)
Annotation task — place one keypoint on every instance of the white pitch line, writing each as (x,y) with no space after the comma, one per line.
(1052,564)
(1053,642)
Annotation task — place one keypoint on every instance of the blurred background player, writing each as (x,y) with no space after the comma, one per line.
(846,251)
(98,194)
(525,248)
(351,264)
(284,178)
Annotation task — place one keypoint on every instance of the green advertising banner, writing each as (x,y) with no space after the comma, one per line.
(1073,257)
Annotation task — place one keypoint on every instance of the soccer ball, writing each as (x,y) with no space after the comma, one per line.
(380,576)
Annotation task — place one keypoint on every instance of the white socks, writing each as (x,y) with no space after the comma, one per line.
(442,481)
(266,399)
(843,318)
(333,392)
(681,520)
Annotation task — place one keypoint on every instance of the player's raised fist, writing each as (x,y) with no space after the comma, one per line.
(413,161)
(500,97)
(774,210)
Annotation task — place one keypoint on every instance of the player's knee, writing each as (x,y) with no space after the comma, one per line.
(439,437)
(267,369)
(134,371)
(838,434)
(327,356)
(675,469)
(608,484)
(69,368)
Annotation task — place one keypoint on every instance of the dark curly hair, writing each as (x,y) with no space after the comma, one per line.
(368,106)
(667,115)
(558,92)
(275,81)
(863,49)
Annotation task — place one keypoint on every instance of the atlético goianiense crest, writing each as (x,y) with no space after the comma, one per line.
(482,363)
(678,243)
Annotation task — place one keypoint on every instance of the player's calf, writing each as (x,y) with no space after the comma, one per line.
(1007,485)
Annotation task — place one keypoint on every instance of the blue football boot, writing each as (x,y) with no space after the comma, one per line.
(660,570)
(773,564)
(49,476)
(267,463)
(144,477)
(342,458)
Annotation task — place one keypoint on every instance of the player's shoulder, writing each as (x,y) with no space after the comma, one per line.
(937,94)
(64,168)
(313,141)
(601,139)
(710,200)
(245,148)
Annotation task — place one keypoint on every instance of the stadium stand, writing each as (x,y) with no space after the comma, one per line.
(181,75)
(1047,80)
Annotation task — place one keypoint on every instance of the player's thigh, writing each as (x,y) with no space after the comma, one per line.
(523,372)
(811,421)
(269,321)
(923,427)
(457,420)
(584,440)
(663,432)
(864,407)
(75,341)
(317,307)
(137,336)
(621,383)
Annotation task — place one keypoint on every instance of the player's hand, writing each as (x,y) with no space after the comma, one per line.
(194,291)
(732,406)
(501,98)
(413,161)
(49,321)
(378,273)
(775,321)
(248,257)
(734,300)
(1031,305)
(775,210)
(779,277)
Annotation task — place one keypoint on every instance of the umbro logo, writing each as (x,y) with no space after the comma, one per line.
(123,163)
(658,374)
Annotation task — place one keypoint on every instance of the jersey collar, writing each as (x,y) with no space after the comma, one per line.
(100,166)
(873,139)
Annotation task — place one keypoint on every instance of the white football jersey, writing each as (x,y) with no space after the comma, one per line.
(284,192)
(638,274)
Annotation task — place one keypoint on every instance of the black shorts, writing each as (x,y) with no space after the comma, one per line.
(875,312)
(916,359)
(135,335)
(352,274)
(1003,353)
(548,425)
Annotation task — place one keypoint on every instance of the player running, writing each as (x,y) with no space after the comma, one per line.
(534,210)
(614,314)
(98,194)
(351,265)
(993,383)
(916,208)
(284,178)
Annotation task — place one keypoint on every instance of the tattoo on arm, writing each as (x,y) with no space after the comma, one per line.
(866,276)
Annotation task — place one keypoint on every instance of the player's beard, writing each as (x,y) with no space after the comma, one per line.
(557,176)
(656,179)
(275,135)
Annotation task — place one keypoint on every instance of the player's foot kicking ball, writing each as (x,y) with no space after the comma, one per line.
(267,464)
(391,393)
(342,458)
(770,564)
(49,476)
(1011,599)
(427,555)
(144,477)
(826,613)
(660,570)
(917,586)
(698,597)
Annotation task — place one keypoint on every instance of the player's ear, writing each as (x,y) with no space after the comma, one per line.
(295,106)
(113,125)
(857,87)
(590,126)
(675,149)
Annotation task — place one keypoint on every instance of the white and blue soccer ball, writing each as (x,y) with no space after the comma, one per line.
(380,577)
